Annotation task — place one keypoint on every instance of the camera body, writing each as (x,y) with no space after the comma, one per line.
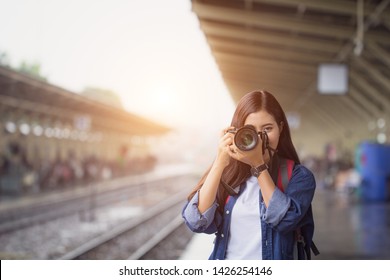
(246,138)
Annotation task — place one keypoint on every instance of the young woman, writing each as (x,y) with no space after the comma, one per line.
(238,198)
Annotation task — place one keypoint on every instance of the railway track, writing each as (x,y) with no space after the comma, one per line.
(139,220)
(91,198)
(137,237)
(167,244)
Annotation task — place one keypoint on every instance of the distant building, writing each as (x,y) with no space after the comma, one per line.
(50,122)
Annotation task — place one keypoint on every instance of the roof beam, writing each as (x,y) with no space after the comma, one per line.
(27,89)
(274,72)
(67,114)
(327,118)
(341,112)
(348,102)
(355,129)
(379,52)
(285,40)
(362,83)
(329,6)
(259,70)
(284,90)
(339,116)
(247,49)
(265,63)
(266,20)
(375,74)
(253,85)
(238,89)
(365,103)
(294,81)
(386,23)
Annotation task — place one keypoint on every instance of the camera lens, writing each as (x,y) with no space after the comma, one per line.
(246,138)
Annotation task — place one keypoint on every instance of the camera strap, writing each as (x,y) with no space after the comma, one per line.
(229,189)
(267,147)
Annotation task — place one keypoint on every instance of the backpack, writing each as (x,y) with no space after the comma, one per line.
(303,234)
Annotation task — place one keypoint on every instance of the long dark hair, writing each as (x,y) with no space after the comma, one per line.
(237,172)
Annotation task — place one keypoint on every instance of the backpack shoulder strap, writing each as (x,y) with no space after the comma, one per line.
(284,173)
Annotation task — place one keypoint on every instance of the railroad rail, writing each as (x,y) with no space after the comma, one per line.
(137,217)
(154,248)
(81,201)
(136,237)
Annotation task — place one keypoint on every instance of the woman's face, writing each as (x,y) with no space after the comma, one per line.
(263,121)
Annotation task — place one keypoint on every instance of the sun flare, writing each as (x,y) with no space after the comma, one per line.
(162,103)
(163,98)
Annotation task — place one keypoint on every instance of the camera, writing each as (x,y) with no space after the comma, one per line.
(246,138)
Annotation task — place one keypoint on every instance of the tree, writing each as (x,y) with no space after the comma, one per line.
(32,69)
(4,59)
(103,95)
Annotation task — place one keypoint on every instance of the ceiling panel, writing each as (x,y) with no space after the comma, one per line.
(278,45)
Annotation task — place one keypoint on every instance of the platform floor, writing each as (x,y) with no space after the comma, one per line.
(346,229)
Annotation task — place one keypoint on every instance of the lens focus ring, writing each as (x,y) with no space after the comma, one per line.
(246,138)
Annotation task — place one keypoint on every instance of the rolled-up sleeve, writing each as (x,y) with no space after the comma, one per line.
(196,221)
(277,208)
(285,210)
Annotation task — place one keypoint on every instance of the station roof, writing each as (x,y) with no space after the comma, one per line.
(28,93)
(278,45)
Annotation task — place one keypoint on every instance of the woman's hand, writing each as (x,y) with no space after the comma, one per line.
(208,191)
(225,147)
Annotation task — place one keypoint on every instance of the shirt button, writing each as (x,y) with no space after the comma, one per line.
(227,212)
(222,235)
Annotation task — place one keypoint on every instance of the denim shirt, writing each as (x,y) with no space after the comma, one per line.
(285,212)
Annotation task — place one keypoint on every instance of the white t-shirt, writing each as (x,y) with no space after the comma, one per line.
(245,227)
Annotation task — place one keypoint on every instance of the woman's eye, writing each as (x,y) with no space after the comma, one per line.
(268,129)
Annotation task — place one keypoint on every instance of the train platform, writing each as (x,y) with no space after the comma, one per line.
(345,229)
(199,248)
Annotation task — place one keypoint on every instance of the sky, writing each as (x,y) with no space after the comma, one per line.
(151,53)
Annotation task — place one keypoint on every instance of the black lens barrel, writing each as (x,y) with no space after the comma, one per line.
(246,138)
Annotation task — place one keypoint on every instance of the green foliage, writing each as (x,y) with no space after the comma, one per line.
(33,69)
(103,95)
(4,59)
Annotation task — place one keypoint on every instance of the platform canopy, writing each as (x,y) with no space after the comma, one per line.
(279,46)
(28,94)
